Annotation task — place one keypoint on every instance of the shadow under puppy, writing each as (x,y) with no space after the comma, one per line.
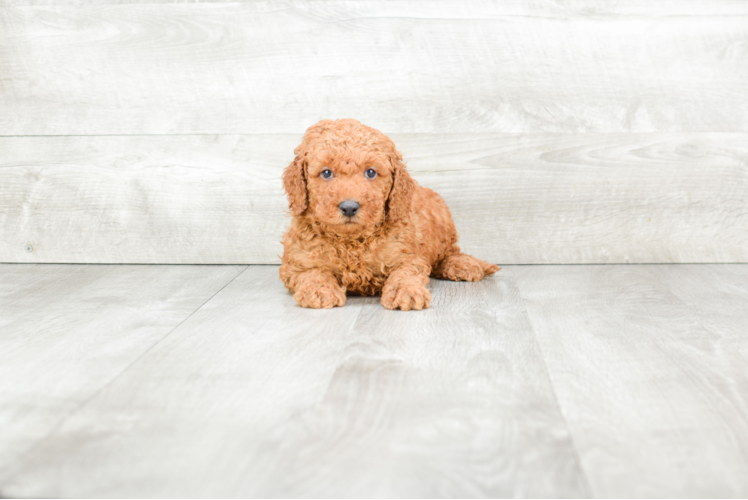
(361,225)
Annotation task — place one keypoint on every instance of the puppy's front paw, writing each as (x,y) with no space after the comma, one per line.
(320,296)
(406,296)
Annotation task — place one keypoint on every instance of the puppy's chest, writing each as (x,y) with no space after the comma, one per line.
(358,270)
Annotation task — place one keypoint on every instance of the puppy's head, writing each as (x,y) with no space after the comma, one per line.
(348,177)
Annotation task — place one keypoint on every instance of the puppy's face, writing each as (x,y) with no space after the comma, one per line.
(346,176)
(347,187)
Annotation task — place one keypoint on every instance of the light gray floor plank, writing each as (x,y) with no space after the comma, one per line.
(451,402)
(66,331)
(717,296)
(655,389)
(254,396)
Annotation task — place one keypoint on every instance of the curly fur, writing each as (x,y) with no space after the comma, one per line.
(402,234)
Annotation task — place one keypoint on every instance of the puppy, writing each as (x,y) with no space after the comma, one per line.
(361,225)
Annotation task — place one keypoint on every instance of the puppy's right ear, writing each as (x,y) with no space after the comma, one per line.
(401,193)
(294,182)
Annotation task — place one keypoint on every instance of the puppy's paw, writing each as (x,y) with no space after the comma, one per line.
(465,268)
(320,296)
(406,296)
(489,269)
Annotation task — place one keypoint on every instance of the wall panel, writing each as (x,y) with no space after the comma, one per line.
(538,198)
(404,67)
(572,131)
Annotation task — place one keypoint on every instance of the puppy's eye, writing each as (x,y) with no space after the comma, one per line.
(326,174)
(370,173)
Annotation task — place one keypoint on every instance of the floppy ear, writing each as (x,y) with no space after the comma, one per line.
(294,182)
(401,194)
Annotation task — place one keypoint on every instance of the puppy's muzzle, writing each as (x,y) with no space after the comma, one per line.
(349,207)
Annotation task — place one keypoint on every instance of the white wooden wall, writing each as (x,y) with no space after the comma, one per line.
(577,131)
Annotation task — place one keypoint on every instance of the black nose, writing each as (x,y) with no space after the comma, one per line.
(349,207)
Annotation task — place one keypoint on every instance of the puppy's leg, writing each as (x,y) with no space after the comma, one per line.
(405,288)
(316,289)
(463,267)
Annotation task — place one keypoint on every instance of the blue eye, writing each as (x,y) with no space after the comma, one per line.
(370,173)
(326,174)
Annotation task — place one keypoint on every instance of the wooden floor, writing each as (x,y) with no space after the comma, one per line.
(569,381)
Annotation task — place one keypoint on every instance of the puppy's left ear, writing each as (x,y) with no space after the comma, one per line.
(401,194)
(294,182)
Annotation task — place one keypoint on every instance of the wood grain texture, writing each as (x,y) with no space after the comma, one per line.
(509,7)
(408,66)
(255,396)
(515,198)
(68,331)
(655,400)
(717,296)
(196,199)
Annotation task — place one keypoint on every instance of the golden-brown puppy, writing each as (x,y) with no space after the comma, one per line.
(362,225)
